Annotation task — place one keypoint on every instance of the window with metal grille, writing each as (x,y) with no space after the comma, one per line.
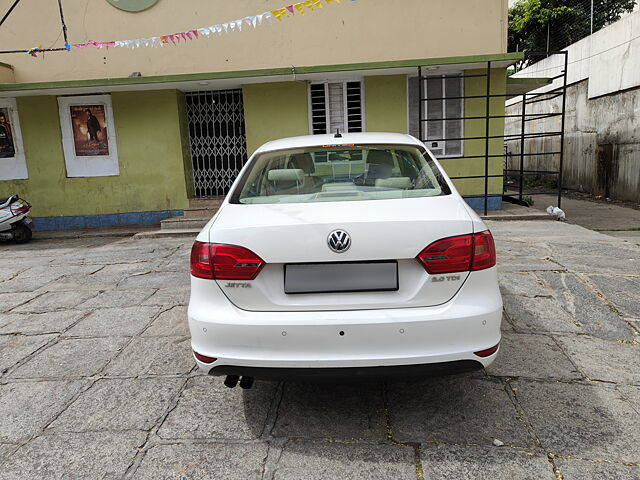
(442,111)
(336,106)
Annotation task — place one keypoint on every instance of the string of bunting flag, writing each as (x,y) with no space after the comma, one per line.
(251,21)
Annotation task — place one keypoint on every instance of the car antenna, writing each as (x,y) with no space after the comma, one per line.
(338,134)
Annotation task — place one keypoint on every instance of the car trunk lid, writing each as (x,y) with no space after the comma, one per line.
(295,236)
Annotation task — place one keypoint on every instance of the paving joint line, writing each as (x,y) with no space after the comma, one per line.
(554,467)
(511,390)
(275,448)
(568,357)
(589,285)
(152,434)
(595,460)
(513,396)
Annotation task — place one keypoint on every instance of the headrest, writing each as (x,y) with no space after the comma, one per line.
(286,175)
(380,157)
(303,161)
(399,183)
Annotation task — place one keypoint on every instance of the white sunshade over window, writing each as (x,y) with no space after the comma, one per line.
(335,106)
(442,109)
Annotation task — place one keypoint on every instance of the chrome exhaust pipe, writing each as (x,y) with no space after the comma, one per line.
(231,381)
(246,383)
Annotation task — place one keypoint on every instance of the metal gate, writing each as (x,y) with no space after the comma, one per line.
(534,145)
(217,140)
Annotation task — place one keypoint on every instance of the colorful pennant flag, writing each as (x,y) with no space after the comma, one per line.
(236,25)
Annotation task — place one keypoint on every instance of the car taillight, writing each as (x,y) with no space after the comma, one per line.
(224,262)
(448,255)
(459,254)
(484,251)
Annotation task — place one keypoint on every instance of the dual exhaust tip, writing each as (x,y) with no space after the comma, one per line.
(232,380)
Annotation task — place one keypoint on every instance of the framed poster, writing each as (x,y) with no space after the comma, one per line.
(13,165)
(88,137)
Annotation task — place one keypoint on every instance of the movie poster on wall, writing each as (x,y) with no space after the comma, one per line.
(88,136)
(7,143)
(13,165)
(89,124)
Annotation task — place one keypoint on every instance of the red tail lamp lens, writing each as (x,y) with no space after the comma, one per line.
(448,255)
(459,254)
(200,260)
(204,358)
(484,251)
(488,352)
(224,262)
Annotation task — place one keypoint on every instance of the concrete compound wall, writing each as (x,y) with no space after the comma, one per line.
(602,152)
(610,59)
(590,123)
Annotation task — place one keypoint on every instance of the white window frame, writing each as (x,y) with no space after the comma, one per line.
(344,96)
(14,168)
(97,166)
(447,74)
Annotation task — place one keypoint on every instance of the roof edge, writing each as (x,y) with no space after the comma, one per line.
(123,81)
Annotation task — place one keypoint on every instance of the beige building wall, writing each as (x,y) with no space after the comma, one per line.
(349,32)
(6,73)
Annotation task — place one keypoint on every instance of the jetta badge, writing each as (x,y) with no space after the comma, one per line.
(339,241)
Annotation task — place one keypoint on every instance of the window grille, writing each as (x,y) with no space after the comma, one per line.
(336,106)
(443,110)
(217,139)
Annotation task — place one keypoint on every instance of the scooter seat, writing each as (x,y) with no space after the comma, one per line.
(8,200)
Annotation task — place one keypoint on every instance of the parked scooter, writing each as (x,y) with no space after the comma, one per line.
(15,224)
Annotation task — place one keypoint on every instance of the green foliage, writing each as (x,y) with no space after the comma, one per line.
(536,24)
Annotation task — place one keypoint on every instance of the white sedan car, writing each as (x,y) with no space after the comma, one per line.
(343,256)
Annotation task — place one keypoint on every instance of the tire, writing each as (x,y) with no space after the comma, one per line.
(21,233)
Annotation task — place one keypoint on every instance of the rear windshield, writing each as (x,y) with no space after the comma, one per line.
(340,173)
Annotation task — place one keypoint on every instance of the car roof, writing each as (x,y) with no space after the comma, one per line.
(346,139)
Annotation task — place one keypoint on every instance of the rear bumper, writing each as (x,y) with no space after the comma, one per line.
(349,373)
(358,342)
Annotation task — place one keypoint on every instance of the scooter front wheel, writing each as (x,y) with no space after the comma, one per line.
(21,233)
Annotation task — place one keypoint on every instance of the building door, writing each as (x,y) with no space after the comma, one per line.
(217,140)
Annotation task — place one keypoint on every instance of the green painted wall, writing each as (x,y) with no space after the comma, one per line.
(151,157)
(274,110)
(476,107)
(386,103)
(184,139)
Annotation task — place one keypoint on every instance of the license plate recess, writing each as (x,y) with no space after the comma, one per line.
(334,277)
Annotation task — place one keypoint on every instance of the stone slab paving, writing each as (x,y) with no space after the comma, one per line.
(97,378)
(321,461)
(573,469)
(455,461)
(223,461)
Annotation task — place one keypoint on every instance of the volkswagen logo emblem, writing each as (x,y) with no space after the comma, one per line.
(339,241)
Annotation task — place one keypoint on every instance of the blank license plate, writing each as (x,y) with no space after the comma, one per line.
(340,277)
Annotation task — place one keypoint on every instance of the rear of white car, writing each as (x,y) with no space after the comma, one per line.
(344,257)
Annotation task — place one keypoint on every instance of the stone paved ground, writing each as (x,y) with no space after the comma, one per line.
(97,381)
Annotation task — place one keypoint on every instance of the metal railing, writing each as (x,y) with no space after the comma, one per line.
(543,123)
